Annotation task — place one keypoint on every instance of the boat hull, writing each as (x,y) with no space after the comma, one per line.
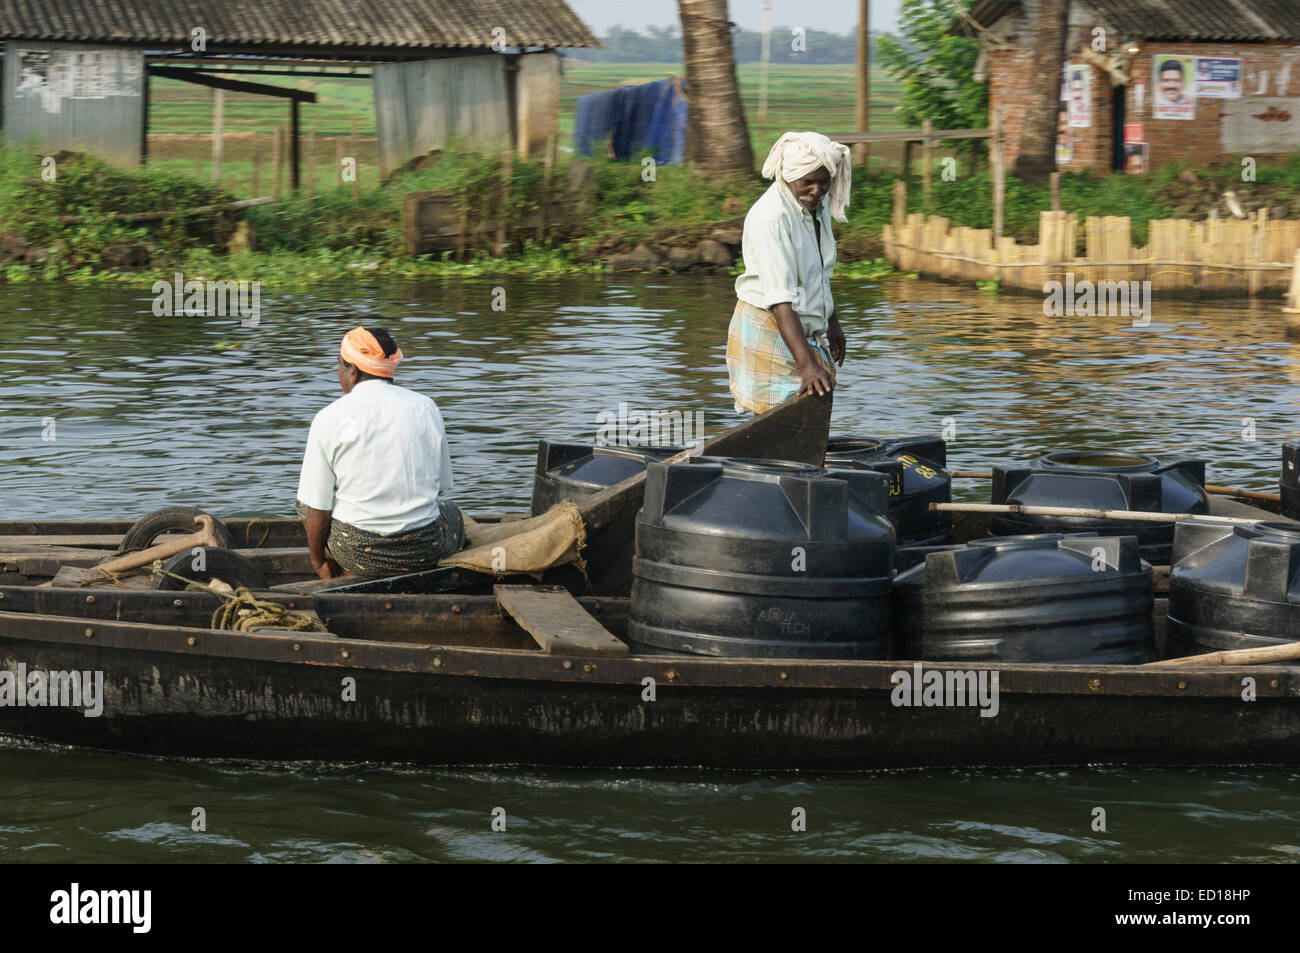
(176,691)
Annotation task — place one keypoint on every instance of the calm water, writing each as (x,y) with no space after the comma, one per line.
(145,412)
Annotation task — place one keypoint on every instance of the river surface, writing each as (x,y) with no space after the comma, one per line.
(107,410)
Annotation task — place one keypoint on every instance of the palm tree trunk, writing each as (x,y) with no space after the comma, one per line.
(1037,157)
(717,138)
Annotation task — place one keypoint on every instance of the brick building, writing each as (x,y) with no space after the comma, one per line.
(1147,82)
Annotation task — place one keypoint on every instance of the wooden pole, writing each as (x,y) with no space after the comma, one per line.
(862,151)
(900,203)
(356,162)
(926,128)
(257,161)
(507,169)
(999,163)
(765,58)
(1141,516)
(311,164)
(277,162)
(548,169)
(295,152)
(198,159)
(1209,487)
(218,141)
(1055,180)
(1263,655)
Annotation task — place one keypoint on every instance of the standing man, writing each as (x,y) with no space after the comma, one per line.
(785,338)
(375,464)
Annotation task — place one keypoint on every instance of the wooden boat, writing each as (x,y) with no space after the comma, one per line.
(533,675)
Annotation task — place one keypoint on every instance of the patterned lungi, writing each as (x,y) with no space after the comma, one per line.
(763,373)
(364,553)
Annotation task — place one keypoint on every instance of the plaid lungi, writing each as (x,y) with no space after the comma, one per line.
(364,553)
(763,373)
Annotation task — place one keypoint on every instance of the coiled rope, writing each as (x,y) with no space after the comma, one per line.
(241,611)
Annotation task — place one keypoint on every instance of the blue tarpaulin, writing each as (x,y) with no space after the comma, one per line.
(633,120)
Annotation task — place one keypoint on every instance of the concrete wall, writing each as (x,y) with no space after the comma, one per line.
(75,96)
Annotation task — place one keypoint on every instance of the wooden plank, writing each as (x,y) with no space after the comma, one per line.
(559,624)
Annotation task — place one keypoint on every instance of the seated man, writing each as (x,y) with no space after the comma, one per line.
(376,461)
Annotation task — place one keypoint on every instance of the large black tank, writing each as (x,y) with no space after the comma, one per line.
(1047,598)
(1233,586)
(1291,480)
(1104,479)
(575,471)
(917,478)
(761,558)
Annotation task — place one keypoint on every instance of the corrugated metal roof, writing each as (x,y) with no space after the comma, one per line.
(1203,19)
(1195,20)
(323,24)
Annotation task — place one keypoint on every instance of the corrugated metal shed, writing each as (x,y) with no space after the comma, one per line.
(1192,20)
(326,25)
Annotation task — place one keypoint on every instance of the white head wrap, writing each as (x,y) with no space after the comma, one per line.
(796,154)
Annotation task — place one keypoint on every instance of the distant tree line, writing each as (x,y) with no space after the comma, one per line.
(663,44)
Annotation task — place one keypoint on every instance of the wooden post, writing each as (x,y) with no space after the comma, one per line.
(295,157)
(338,162)
(277,162)
(998,163)
(356,162)
(1293,295)
(764,58)
(198,159)
(900,203)
(862,151)
(907,158)
(548,168)
(218,121)
(507,169)
(926,127)
(1055,180)
(311,164)
(257,163)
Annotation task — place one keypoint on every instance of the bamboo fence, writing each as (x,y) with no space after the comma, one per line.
(1239,257)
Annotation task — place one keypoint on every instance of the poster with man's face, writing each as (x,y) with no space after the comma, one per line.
(1175,87)
(1079,92)
(1064,138)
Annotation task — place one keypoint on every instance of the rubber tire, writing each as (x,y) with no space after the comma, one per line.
(229,567)
(172,519)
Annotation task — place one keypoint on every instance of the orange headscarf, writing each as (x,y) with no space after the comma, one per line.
(360,348)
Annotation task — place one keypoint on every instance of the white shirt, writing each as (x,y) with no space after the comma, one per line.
(377,458)
(781,258)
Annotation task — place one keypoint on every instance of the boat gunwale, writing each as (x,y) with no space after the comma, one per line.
(1274,681)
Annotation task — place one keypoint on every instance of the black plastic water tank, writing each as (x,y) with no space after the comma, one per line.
(1072,599)
(1291,480)
(762,558)
(917,478)
(1233,586)
(575,471)
(1101,479)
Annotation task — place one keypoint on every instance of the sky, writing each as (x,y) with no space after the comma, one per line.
(834,16)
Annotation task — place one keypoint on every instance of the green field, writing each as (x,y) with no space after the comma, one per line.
(800,97)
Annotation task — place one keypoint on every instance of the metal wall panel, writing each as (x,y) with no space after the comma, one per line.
(426,104)
(75,96)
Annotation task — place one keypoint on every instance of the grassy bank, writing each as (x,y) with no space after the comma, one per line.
(331,235)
